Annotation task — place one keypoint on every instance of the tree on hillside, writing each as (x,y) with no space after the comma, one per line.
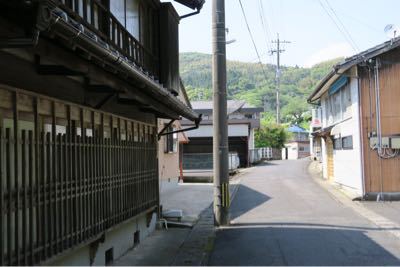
(246,81)
(296,111)
(272,135)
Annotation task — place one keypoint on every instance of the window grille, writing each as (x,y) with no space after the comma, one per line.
(67,174)
(347,142)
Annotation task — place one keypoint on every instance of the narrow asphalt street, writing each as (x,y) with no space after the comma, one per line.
(281,216)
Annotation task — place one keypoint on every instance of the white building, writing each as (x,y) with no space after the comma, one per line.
(341,155)
(243,120)
(298,146)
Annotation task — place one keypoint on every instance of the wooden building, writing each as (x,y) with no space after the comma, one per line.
(243,120)
(82,85)
(361,122)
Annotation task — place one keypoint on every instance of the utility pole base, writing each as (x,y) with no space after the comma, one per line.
(221,216)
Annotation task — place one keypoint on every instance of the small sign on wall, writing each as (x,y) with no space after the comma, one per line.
(316,118)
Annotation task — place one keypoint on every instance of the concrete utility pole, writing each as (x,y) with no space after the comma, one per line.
(278,52)
(220,138)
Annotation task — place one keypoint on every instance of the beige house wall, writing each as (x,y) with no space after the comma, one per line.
(168,163)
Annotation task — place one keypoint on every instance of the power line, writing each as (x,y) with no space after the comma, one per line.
(264,24)
(255,60)
(252,39)
(361,22)
(338,27)
(341,23)
(358,20)
(282,21)
(278,52)
(267,31)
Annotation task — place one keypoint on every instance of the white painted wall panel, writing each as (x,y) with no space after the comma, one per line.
(293,151)
(119,238)
(233,131)
(324,160)
(252,139)
(347,163)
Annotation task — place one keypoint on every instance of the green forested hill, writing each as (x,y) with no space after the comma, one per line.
(246,81)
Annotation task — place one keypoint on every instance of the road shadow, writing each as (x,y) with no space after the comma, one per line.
(266,163)
(301,246)
(246,199)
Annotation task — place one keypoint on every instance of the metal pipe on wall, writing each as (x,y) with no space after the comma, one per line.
(360,121)
(378,124)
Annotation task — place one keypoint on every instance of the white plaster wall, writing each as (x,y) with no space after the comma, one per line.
(312,154)
(207,131)
(251,139)
(283,153)
(324,106)
(293,151)
(324,160)
(168,163)
(120,238)
(347,163)
(79,257)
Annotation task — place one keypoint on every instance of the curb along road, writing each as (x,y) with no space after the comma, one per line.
(380,221)
(196,249)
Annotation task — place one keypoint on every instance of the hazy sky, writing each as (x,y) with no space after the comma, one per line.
(313,34)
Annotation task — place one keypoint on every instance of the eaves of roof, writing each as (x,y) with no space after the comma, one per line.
(340,68)
(61,24)
(193,4)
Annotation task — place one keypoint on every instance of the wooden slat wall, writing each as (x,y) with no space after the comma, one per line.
(381,174)
(329,154)
(67,174)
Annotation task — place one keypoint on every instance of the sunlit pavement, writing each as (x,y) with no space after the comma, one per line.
(281,216)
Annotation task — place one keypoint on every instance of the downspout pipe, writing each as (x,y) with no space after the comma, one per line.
(164,131)
(189,15)
(380,197)
(361,127)
(72,30)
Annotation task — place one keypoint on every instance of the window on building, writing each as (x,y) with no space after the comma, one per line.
(127,13)
(347,142)
(304,149)
(142,24)
(117,8)
(346,102)
(329,111)
(132,17)
(171,141)
(337,143)
(336,107)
